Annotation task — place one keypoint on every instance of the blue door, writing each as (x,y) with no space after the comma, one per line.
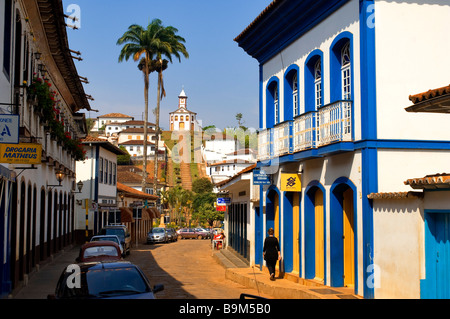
(442,257)
(437,245)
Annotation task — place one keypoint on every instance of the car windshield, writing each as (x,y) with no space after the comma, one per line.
(100,251)
(158,230)
(104,283)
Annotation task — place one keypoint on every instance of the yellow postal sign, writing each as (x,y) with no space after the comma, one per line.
(20,153)
(291,182)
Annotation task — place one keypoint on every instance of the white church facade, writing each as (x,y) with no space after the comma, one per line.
(182,119)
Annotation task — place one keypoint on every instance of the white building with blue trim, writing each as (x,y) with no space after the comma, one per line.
(335,77)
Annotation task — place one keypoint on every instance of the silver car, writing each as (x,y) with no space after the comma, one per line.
(157,235)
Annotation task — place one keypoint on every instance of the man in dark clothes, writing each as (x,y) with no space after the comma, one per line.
(271,252)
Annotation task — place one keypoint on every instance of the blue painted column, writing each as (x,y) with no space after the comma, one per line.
(369,132)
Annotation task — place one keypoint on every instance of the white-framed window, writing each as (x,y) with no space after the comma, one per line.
(346,72)
(276,104)
(295,94)
(318,83)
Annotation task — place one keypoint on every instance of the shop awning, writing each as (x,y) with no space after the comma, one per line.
(126,215)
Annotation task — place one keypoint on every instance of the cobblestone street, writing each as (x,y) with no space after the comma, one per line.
(187,270)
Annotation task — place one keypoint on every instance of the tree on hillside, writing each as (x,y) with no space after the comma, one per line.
(202,185)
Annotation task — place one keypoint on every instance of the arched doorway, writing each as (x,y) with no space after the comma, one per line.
(343,234)
(315,262)
(319,236)
(273,212)
(42,226)
(273,215)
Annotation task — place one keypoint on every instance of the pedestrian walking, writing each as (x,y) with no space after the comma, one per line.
(271,252)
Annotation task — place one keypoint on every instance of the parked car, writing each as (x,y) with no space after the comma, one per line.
(185,233)
(105,280)
(99,251)
(113,238)
(173,236)
(157,235)
(203,232)
(122,232)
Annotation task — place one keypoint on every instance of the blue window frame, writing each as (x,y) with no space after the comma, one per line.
(314,81)
(291,93)
(272,103)
(341,67)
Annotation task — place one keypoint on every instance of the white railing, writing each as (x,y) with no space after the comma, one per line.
(282,136)
(335,123)
(331,124)
(305,132)
(264,142)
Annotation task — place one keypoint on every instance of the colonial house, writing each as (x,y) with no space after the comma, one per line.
(40,98)
(114,128)
(415,224)
(334,76)
(98,173)
(101,121)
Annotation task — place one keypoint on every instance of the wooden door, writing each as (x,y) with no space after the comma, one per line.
(319,237)
(181,126)
(296,234)
(349,240)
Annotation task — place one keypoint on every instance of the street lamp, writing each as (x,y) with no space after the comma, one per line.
(80,187)
(59,177)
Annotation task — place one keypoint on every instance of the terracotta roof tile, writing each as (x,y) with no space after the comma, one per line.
(437,181)
(129,191)
(116,115)
(430,94)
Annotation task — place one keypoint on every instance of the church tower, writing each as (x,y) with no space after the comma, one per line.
(182,119)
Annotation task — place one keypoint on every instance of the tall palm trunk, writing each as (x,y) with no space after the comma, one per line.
(158,102)
(147,84)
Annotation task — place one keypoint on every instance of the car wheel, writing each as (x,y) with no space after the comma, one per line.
(200,237)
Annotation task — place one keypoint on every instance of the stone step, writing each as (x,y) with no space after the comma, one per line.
(229,259)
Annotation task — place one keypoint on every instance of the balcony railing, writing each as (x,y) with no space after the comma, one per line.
(335,123)
(305,132)
(330,124)
(282,137)
(264,144)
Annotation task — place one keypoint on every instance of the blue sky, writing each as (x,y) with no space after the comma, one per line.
(219,78)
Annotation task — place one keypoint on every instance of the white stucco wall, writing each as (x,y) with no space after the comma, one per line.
(411,57)
(397,166)
(398,248)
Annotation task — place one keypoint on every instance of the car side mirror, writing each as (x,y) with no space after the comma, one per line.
(158,288)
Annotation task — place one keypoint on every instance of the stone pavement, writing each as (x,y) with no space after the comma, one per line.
(252,277)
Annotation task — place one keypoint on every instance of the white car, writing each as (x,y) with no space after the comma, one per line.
(113,238)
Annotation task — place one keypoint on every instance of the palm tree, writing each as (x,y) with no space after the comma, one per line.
(148,46)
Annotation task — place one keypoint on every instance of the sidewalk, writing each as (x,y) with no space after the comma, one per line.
(253,277)
(43,281)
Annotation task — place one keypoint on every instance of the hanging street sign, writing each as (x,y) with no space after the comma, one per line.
(260,178)
(9,129)
(21,153)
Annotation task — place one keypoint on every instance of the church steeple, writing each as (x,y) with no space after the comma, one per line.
(182,100)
